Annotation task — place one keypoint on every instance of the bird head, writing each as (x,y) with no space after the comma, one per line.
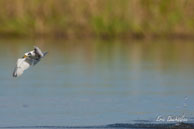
(25,56)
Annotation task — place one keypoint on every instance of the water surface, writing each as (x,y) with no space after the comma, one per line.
(95,82)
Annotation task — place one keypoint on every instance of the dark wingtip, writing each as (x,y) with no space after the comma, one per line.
(14,73)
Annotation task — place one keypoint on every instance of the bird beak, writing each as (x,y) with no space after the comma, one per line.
(25,56)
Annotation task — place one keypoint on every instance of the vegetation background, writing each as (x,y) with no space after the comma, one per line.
(97,18)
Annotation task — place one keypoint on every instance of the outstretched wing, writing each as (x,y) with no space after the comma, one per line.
(38,51)
(22,64)
(36,60)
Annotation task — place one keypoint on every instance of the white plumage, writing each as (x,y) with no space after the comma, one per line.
(29,59)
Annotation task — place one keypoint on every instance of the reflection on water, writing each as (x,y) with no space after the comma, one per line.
(97,82)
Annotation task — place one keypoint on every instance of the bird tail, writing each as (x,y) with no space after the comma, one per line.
(45,53)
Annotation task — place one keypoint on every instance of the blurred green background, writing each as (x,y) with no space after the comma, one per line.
(97,18)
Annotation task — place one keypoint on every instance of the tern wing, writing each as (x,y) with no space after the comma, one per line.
(35,61)
(38,51)
(21,65)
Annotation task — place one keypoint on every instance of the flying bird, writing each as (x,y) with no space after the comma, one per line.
(30,58)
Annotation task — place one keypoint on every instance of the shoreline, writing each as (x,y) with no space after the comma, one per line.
(173,36)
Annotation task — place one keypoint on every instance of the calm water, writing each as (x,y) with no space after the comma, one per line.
(97,82)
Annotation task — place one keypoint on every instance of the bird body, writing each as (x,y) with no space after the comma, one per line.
(29,59)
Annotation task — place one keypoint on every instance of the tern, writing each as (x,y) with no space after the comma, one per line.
(30,58)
